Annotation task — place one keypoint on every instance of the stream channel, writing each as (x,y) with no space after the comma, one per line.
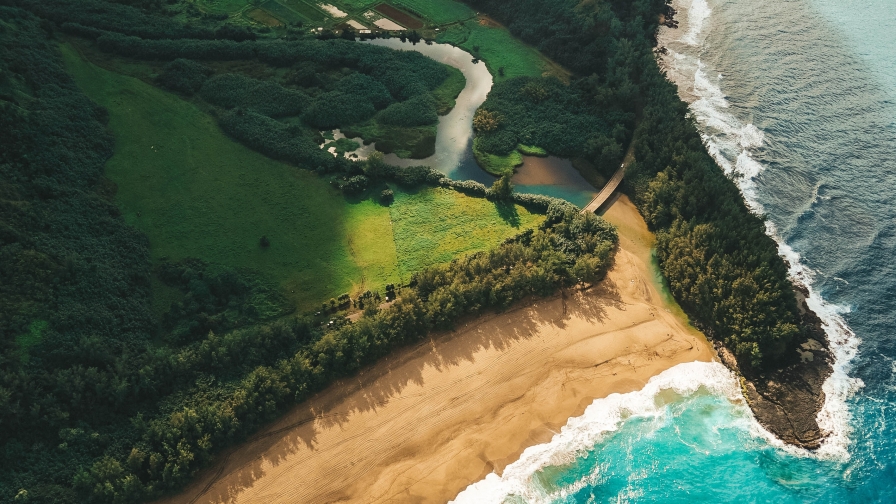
(550,176)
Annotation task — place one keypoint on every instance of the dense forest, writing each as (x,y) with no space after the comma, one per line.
(563,120)
(101,400)
(721,266)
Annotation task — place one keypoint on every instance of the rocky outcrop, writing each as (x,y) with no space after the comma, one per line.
(667,18)
(787,401)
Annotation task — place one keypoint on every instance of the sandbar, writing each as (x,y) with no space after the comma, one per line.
(426,422)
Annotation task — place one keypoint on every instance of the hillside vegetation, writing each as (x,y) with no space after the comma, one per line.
(152,264)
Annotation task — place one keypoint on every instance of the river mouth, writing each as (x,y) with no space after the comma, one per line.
(550,176)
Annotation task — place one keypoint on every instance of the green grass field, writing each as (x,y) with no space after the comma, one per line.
(296,8)
(439,12)
(455,225)
(196,193)
(494,164)
(497,48)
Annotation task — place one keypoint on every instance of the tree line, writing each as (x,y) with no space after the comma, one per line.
(568,248)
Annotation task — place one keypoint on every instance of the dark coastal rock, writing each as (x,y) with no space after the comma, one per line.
(667,18)
(787,401)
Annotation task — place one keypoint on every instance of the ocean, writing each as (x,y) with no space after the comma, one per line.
(796,101)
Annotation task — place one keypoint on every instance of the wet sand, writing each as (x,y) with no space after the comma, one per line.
(422,425)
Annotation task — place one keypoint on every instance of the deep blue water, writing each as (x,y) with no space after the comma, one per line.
(797,101)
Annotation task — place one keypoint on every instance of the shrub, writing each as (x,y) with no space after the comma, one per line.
(485,121)
(417,111)
(265,97)
(355,185)
(183,75)
(335,109)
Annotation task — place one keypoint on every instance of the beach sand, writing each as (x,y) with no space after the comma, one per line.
(423,424)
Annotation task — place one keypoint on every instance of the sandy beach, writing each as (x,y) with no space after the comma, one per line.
(423,424)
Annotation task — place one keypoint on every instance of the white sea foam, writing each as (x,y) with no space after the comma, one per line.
(600,418)
(697,13)
(834,417)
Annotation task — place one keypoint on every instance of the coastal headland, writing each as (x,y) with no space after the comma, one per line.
(426,422)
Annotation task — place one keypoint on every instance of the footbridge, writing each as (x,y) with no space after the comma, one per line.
(607,191)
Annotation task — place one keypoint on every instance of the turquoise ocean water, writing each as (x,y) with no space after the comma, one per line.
(796,100)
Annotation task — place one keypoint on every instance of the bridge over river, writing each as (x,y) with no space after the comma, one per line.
(606,192)
(612,184)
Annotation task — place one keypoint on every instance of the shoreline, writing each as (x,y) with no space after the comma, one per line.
(426,422)
(802,403)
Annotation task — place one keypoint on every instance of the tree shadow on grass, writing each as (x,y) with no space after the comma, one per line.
(508,213)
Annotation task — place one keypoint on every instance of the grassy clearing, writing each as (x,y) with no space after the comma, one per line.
(197,193)
(532,150)
(436,225)
(24,342)
(497,48)
(439,12)
(496,165)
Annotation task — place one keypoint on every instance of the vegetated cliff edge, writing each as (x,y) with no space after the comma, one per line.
(786,401)
(787,397)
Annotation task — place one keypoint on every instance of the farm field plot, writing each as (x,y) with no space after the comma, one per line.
(399,16)
(438,11)
(436,225)
(354,4)
(387,24)
(305,9)
(221,6)
(263,16)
